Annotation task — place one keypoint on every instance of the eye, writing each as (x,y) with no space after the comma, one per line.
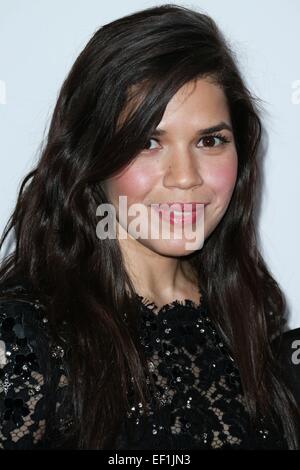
(149,140)
(209,140)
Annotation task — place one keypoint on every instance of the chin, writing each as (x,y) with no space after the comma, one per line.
(175,248)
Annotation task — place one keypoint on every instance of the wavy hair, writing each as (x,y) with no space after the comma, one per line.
(137,63)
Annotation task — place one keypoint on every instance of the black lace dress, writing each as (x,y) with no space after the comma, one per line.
(198,401)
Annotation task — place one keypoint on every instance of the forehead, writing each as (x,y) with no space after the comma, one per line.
(201,100)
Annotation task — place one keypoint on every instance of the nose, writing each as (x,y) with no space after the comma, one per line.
(183,170)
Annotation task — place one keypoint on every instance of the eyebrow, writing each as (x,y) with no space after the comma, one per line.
(209,130)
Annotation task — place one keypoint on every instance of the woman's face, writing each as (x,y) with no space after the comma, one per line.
(182,162)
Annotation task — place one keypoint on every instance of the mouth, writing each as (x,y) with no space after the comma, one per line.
(178,212)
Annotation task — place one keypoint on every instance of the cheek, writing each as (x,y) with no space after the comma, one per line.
(135,183)
(222,178)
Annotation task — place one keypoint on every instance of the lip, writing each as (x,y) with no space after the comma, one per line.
(185,206)
(177,217)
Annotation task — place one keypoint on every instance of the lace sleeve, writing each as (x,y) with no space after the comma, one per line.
(22,381)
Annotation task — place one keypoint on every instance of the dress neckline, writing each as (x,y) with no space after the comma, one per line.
(185,303)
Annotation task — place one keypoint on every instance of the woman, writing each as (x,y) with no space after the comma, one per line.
(137,342)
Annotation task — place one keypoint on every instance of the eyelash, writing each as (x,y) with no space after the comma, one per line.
(220,136)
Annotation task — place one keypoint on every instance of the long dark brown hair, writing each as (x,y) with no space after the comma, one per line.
(138,62)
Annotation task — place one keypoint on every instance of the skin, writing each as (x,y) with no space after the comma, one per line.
(177,166)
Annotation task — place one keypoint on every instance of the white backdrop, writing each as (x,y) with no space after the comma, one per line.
(39,41)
